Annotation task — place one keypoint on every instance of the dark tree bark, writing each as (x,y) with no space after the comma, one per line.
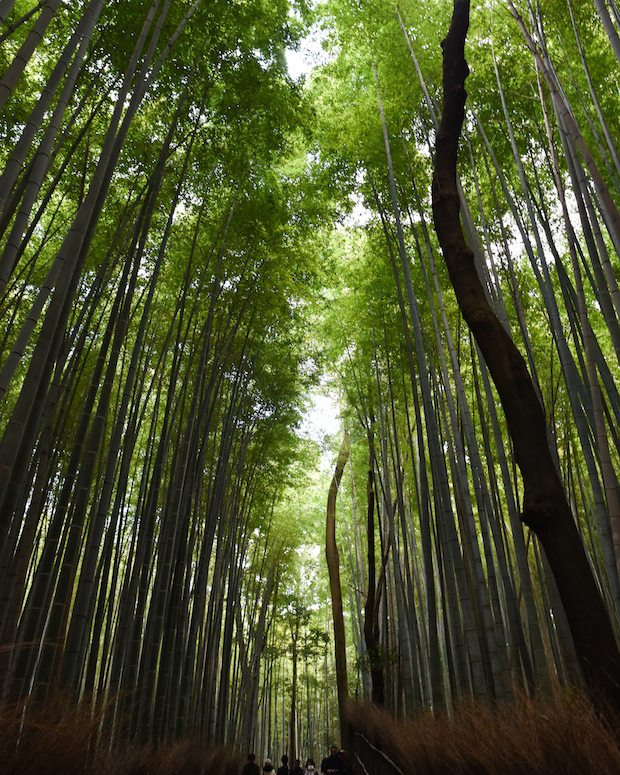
(371,609)
(331,553)
(545,507)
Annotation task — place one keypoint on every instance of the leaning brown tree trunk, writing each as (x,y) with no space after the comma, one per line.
(333,567)
(545,507)
(371,609)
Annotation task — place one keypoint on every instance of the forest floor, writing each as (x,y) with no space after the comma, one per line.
(526,738)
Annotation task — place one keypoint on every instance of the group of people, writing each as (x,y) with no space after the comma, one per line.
(334,764)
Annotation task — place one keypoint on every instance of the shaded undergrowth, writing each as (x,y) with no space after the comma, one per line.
(61,738)
(531,737)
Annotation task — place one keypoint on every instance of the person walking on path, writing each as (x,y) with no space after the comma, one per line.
(346,767)
(268,767)
(284,769)
(332,764)
(250,767)
(297,769)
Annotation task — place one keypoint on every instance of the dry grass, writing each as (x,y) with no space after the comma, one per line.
(58,740)
(533,738)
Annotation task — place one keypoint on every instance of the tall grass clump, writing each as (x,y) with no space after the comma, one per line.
(62,738)
(531,737)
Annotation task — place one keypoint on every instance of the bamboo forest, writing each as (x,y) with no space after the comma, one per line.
(309,373)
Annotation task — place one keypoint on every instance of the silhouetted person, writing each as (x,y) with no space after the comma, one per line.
(284,769)
(297,769)
(268,767)
(250,767)
(333,763)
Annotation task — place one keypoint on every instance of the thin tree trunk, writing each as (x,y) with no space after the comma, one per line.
(371,609)
(333,566)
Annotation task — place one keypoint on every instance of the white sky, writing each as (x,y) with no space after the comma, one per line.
(322,419)
(309,55)
(297,65)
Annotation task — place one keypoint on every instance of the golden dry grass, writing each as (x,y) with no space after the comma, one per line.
(63,739)
(533,737)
